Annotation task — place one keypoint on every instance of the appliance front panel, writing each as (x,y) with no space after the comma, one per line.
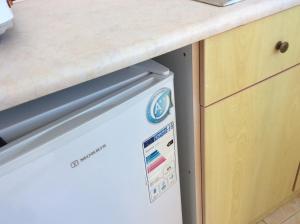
(101,175)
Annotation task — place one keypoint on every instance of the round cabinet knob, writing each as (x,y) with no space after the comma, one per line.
(282,46)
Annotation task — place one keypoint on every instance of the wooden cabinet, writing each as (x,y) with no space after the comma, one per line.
(241,57)
(251,150)
(250,119)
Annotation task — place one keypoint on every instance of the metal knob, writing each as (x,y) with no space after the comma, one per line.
(282,46)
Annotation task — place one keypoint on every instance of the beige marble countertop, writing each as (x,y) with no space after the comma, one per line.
(59,43)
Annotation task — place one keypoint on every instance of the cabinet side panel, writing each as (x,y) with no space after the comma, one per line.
(184,63)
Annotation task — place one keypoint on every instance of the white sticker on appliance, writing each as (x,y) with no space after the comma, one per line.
(160,161)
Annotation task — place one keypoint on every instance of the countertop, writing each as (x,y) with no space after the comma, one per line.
(56,44)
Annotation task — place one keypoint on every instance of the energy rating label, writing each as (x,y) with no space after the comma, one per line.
(160,161)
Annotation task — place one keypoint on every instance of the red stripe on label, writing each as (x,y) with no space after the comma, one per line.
(156,164)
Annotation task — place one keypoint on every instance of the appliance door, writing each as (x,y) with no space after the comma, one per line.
(104,164)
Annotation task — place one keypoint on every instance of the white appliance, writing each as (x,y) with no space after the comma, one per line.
(6,16)
(112,161)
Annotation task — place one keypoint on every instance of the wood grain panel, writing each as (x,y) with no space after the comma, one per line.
(243,56)
(251,150)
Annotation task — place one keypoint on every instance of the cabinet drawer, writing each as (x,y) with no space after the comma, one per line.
(238,58)
(251,150)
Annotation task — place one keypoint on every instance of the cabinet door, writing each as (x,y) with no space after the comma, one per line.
(251,150)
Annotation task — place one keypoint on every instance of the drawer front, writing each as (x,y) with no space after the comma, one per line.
(251,150)
(246,55)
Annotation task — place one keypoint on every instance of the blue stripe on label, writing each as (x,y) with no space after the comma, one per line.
(161,134)
(148,142)
(158,135)
(152,156)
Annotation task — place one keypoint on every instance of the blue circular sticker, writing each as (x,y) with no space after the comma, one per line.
(159,106)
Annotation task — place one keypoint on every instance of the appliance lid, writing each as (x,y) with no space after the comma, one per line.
(20,120)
